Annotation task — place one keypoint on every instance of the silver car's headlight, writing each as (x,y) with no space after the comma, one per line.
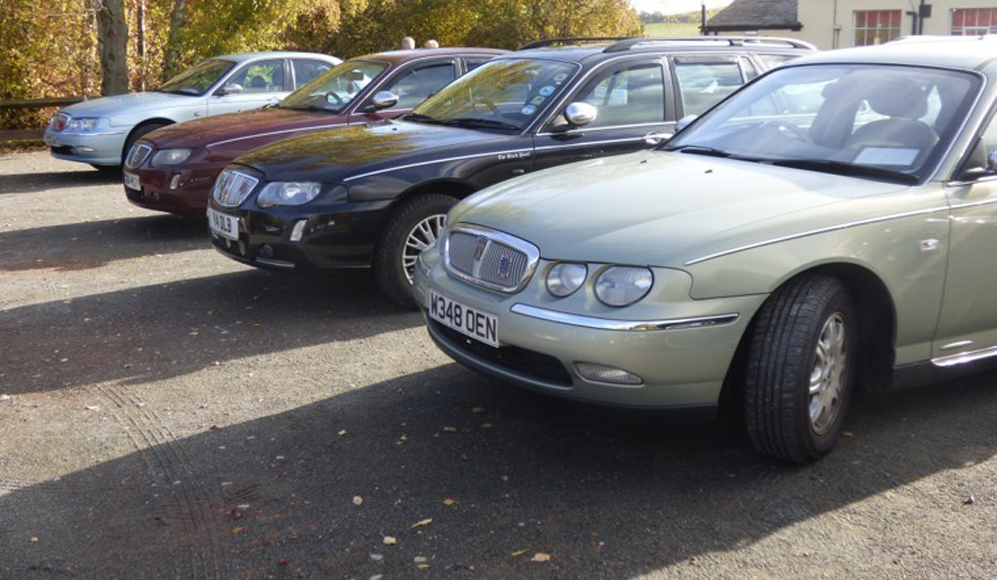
(84,124)
(565,278)
(171,156)
(623,285)
(288,193)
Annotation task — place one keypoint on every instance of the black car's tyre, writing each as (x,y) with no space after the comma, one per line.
(136,134)
(412,228)
(799,373)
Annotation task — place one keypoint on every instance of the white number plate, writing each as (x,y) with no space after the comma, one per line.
(464,319)
(132,181)
(224,225)
(51,140)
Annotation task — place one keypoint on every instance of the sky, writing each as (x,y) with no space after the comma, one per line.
(675,6)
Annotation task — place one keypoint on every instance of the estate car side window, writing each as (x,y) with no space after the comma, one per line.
(416,85)
(306,70)
(471,63)
(627,96)
(704,84)
(266,76)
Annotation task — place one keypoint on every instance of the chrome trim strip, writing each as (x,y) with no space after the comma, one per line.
(233,140)
(447,160)
(957,344)
(623,325)
(584,130)
(964,357)
(531,252)
(974,203)
(90,133)
(589,143)
(834,228)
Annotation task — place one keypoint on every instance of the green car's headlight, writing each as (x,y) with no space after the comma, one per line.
(623,285)
(170,156)
(288,193)
(565,278)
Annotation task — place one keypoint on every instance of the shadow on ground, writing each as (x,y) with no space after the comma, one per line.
(92,244)
(46,181)
(160,331)
(609,494)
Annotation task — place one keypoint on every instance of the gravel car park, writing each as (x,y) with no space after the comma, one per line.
(166,414)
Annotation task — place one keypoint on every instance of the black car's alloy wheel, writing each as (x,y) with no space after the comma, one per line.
(799,374)
(413,228)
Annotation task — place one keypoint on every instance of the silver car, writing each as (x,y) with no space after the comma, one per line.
(101,131)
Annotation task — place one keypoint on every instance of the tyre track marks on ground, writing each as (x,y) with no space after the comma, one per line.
(173,471)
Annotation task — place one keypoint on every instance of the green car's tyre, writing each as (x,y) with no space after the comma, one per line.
(411,229)
(800,369)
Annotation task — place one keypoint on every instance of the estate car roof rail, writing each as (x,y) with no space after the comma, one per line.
(628,43)
(569,40)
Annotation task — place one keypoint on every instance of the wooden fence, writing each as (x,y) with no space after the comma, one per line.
(31,134)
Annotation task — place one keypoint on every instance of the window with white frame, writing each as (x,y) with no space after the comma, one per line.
(974,21)
(876,26)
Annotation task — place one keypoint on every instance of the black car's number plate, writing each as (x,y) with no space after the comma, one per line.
(224,225)
(468,321)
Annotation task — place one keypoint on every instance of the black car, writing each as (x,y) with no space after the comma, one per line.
(377,195)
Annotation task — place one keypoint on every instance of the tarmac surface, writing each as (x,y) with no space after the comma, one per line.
(168,413)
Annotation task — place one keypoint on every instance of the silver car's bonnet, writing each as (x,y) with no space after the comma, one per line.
(125,105)
(661,209)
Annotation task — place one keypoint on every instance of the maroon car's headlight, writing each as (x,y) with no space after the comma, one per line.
(170,157)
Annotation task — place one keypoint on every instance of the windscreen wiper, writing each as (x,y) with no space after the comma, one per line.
(841,168)
(475,123)
(420,118)
(700,150)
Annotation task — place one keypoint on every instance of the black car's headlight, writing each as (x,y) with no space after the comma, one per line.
(288,193)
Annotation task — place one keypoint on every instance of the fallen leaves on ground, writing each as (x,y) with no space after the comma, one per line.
(390,540)
(540,557)
(424,522)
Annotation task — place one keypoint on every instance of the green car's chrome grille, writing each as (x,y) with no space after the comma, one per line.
(490,258)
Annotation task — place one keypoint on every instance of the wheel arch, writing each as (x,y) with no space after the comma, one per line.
(452,187)
(144,123)
(877,328)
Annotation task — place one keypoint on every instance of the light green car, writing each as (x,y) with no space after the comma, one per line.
(832,224)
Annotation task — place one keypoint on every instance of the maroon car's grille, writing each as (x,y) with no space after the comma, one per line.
(138,154)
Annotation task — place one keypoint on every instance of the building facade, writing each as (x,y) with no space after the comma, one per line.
(846,23)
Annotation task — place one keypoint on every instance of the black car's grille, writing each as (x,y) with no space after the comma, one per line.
(233,187)
(490,258)
(521,360)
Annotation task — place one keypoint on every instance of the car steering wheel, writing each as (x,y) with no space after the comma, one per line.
(780,125)
(339,101)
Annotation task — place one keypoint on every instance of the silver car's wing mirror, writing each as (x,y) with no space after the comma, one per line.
(231,89)
(580,114)
(384,100)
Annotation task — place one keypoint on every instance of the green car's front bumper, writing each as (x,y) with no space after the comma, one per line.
(681,350)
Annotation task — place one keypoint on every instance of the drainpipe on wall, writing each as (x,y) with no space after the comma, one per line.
(835,27)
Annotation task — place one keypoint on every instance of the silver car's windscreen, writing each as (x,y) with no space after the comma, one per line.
(198,79)
(880,121)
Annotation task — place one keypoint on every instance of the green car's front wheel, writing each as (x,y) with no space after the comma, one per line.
(800,369)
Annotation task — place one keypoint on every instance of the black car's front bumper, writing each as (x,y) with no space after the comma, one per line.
(289,238)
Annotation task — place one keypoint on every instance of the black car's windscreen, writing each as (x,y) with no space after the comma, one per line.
(336,89)
(876,120)
(197,79)
(506,93)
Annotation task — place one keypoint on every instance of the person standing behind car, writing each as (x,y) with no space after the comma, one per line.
(431,43)
(408,43)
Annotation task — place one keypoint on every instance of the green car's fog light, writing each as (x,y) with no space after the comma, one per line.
(607,374)
(564,278)
(623,285)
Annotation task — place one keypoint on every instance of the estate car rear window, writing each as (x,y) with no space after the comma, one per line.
(879,121)
(197,79)
(336,89)
(500,94)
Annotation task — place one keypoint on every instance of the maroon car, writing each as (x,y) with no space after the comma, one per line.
(173,169)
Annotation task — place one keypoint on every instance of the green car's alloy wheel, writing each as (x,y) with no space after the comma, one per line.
(799,378)
(412,228)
